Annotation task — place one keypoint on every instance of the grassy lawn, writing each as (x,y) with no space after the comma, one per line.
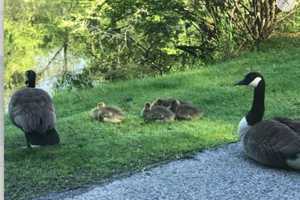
(91,151)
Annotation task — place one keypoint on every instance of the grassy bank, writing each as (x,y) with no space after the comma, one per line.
(91,151)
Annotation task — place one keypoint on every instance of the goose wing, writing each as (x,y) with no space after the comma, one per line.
(155,115)
(187,111)
(291,123)
(272,143)
(115,110)
(160,113)
(31,109)
(111,112)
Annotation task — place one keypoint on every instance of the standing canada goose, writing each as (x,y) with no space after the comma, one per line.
(157,113)
(185,111)
(107,114)
(168,103)
(31,109)
(274,142)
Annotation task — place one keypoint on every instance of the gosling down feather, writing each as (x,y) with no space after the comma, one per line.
(157,113)
(106,113)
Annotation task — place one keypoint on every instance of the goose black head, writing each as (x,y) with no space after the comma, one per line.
(251,79)
(30,78)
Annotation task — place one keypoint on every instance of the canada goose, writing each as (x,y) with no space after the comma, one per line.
(274,142)
(31,109)
(184,111)
(157,113)
(107,114)
(168,103)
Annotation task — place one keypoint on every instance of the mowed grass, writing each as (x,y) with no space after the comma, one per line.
(91,151)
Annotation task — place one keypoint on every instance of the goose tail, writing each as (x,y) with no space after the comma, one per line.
(51,137)
(295,162)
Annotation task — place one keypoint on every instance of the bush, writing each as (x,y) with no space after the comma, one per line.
(69,81)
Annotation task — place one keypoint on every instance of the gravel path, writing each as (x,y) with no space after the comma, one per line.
(223,173)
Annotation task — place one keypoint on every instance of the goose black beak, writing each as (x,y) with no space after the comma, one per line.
(242,82)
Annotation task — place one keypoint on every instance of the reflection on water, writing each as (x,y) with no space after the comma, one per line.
(55,70)
(50,76)
(48,84)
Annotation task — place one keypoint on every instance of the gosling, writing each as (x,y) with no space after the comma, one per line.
(185,111)
(168,103)
(105,113)
(157,114)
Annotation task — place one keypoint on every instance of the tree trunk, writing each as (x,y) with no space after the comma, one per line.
(257,44)
(65,66)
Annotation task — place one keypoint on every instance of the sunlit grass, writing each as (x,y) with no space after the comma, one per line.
(91,151)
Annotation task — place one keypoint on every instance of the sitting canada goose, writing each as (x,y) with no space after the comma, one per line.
(168,103)
(107,114)
(31,109)
(157,113)
(274,142)
(184,111)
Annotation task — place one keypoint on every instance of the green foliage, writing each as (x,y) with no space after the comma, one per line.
(32,29)
(257,19)
(291,23)
(135,38)
(90,151)
(145,37)
(69,81)
(21,42)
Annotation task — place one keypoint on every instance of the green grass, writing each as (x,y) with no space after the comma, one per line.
(90,151)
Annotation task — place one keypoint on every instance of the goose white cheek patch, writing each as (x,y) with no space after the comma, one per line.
(255,82)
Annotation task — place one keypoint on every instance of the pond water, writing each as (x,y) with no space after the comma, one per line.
(49,79)
(50,76)
(55,70)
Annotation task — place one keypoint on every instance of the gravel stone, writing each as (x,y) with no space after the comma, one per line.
(223,173)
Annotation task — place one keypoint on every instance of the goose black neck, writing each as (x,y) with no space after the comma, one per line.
(31,83)
(256,113)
